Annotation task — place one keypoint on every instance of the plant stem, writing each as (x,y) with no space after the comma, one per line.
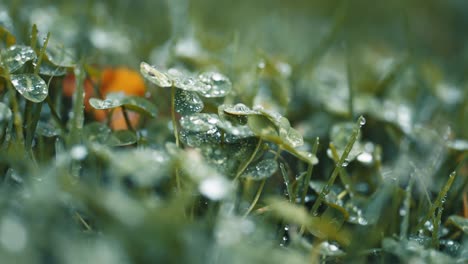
(173,115)
(257,197)
(127,118)
(435,231)
(41,54)
(17,120)
(310,168)
(55,115)
(406,208)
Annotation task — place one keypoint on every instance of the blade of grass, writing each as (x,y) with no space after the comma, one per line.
(343,175)
(406,209)
(326,189)
(440,200)
(310,168)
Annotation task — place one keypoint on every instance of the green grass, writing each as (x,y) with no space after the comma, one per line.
(290,133)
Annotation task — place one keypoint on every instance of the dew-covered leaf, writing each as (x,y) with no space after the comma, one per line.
(200,122)
(16,56)
(134,103)
(264,128)
(58,55)
(49,69)
(140,105)
(237,132)
(262,170)
(187,102)
(155,76)
(108,103)
(180,79)
(30,86)
(238,110)
(218,84)
(185,81)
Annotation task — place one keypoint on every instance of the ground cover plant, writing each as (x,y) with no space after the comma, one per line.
(245,132)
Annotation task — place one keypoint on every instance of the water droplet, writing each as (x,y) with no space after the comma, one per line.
(214,187)
(218,84)
(105,104)
(402,211)
(261,65)
(365,158)
(13,234)
(345,163)
(263,169)
(362,121)
(200,122)
(78,152)
(187,102)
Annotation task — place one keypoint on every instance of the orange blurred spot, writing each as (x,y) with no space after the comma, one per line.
(112,80)
(118,119)
(122,80)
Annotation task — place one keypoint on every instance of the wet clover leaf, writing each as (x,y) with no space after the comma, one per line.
(155,76)
(108,103)
(58,55)
(239,110)
(262,170)
(134,103)
(187,102)
(16,56)
(218,84)
(140,105)
(172,77)
(200,122)
(30,86)
(49,69)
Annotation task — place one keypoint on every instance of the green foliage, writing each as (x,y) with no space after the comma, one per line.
(224,164)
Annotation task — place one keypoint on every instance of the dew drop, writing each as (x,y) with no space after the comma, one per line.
(214,188)
(345,163)
(13,234)
(78,152)
(362,121)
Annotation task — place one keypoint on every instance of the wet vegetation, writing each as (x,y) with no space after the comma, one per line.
(233,131)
